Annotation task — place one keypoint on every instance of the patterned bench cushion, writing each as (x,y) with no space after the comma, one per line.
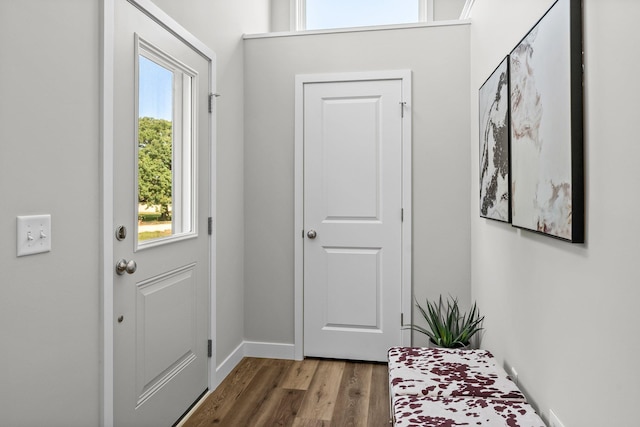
(421,411)
(448,373)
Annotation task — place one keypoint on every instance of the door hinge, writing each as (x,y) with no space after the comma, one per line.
(210,226)
(401,214)
(210,348)
(401,319)
(402,104)
(211,96)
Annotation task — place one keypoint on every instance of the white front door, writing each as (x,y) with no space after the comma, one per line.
(161,201)
(353,200)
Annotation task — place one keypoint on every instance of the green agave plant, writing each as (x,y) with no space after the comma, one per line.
(447,327)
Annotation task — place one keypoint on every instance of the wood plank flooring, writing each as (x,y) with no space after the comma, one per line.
(308,393)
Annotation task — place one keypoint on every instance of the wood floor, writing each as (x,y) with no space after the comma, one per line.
(309,393)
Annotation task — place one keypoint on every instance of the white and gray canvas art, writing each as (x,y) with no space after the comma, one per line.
(540,76)
(494,145)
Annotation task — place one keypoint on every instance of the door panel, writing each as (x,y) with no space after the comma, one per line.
(166,328)
(351,193)
(353,202)
(161,309)
(353,288)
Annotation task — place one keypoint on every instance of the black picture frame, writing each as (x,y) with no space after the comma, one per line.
(493,112)
(546,112)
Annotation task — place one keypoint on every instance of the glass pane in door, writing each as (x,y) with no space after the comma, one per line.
(155,150)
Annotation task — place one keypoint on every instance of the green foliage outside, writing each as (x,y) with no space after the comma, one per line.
(149,217)
(150,235)
(154,164)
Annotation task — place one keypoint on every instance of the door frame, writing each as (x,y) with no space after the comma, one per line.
(405,288)
(107,82)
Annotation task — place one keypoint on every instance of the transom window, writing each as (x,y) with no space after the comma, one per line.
(325,14)
(339,14)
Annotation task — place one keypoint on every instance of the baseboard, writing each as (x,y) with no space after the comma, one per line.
(269,350)
(252,349)
(228,364)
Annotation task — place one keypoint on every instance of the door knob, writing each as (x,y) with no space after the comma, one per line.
(312,234)
(124,266)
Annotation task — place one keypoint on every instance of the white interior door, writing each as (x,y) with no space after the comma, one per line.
(352,218)
(161,197)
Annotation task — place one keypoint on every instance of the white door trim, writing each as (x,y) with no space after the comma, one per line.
(301,80)
(108,227)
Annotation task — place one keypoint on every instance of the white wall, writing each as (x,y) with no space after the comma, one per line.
(49,139)
(439,58)
(280,15)
(444,10)
(566,315)
(220,25)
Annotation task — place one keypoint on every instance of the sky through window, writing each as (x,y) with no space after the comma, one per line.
(156,90)
(323,14)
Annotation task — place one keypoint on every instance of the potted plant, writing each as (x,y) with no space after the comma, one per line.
(448,327)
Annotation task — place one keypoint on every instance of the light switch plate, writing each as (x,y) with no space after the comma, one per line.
(33,234)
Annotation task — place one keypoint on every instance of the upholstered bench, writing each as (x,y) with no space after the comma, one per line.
(424,411)
(433,382)
(449,373)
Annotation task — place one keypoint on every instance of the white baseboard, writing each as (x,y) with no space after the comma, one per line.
(228,364)
(269,350)
(252,349)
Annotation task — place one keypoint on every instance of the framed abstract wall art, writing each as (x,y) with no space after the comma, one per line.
(494,145)
(547,166)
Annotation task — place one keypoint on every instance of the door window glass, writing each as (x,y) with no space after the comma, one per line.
(165,202)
